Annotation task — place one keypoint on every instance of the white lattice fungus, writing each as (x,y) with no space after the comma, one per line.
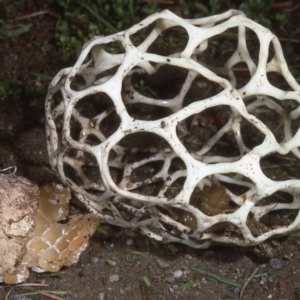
(173,126)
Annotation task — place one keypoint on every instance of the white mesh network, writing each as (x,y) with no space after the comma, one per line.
(186,162)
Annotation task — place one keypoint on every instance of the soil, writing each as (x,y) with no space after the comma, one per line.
(124,264)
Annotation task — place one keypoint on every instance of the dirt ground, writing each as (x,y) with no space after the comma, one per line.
(124,265)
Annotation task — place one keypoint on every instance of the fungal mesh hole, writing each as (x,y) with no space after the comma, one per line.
(75,129)
(280,167)
(141,141)
(219,49)
(177,164)
(278,81)
(92,140)
(238,188)
(175,188)
(203,133)
(71,172)
(272,120)
(93,105)
(170,41)
(279,219)
(78,83)
(276,198)
(211,200)
(164,84)
(200,88)
(92,173)
(253,45)
(225,229)
(146,171)
(276,78)
(56,99)
(141,111)
(251,136)
(140,35)
(242,74)
(105,75)
(110,123)
(113,47)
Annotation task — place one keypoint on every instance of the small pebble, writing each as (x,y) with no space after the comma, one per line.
(187,256)
(263,280)
(129,242)
(95,260)
(113,278)
(112,263)
(162,264)
(101,296)
(170,279)
(237,291)
(175,287)
(108,245)
(276,264)
(177,274)
(122,291)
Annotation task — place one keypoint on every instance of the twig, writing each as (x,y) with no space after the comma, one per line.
(39,13)
(247,282)
(52,296)
(8,168)
(7,294)
(23,285)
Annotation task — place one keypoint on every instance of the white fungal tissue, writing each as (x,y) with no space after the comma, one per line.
(185,129)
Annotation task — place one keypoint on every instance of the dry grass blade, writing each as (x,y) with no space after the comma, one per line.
(247,282)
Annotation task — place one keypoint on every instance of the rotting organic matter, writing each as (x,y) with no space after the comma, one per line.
(138,157)
(30,233)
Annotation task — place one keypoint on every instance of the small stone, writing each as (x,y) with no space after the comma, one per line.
(187,256)
(263,280)
(237,291)
(113,278)
(128,288)
(283,286)
(122,291)
(129,242)
(95,260)
(170,279)
(177,274)
(112,263)
(276,263)
(162,264)
(101,296)
(108,245)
